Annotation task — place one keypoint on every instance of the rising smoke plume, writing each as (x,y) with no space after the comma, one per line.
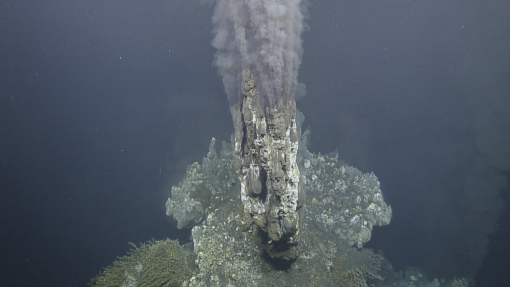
(258,55)
(263,36)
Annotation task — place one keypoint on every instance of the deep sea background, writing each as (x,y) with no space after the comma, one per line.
(104,103)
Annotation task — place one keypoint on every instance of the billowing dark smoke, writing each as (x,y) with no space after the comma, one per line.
(258,57)
(263,36)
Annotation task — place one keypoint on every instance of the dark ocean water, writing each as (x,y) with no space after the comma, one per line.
(104,103)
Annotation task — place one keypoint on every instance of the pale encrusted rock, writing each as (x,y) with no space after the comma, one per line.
(341,199)
(187,210)
(231,251)
(203,187)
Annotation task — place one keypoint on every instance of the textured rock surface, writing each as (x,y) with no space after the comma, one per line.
(202,188)
(415,277)
(342,200)
(184,206)
(230,250)
(265,147)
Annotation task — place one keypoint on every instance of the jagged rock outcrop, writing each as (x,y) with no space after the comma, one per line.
(265,146)
(230,250)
